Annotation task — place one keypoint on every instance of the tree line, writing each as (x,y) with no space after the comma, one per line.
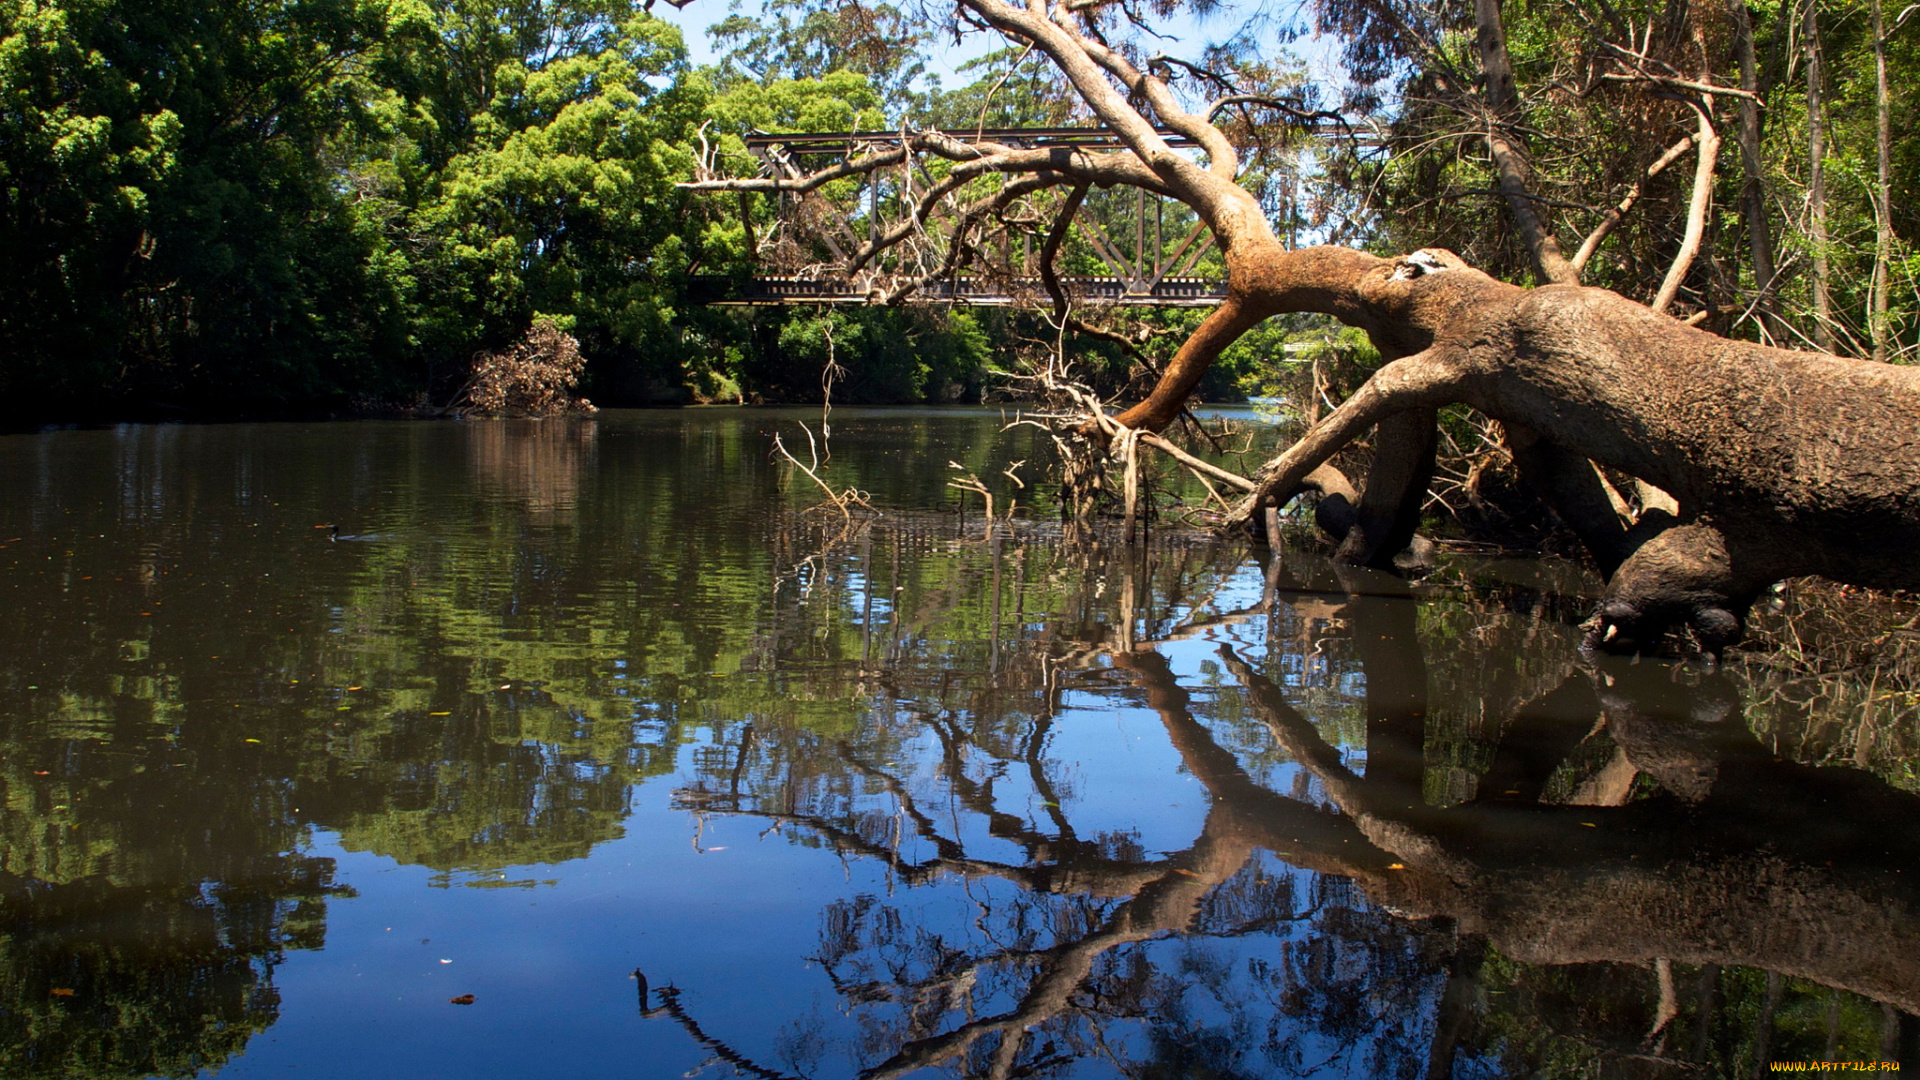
(214,208)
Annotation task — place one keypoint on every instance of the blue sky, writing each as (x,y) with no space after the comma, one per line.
(1189,38)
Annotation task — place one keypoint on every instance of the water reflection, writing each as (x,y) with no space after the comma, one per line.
(1079,810)
(1632,885)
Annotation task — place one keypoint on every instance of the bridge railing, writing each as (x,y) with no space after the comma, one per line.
(974,291)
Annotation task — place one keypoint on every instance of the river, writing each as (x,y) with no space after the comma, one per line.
(597,747)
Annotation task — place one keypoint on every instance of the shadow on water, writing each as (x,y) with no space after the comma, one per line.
(1081,809)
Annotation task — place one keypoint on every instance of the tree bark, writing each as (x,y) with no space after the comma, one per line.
(1513,173)
(1753,189)
(1396,489)
(1782,463)
(1883,189)
(1816,178)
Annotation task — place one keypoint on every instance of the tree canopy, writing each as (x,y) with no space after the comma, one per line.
(325,206)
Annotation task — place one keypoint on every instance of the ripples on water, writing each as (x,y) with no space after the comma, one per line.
(596,724)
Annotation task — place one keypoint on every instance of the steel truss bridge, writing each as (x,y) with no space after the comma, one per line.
(1127,246)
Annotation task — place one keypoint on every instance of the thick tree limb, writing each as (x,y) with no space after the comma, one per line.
(1782,462)
(1397,482)
(1412,382)
(1222,327)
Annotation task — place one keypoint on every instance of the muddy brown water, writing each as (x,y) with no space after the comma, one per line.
(584,749)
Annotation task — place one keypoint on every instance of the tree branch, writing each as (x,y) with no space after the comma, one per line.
(1705,162)
(1618,214)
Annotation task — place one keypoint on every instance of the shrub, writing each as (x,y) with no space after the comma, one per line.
(534,377)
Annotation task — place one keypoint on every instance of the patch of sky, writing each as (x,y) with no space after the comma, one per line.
(1272,29)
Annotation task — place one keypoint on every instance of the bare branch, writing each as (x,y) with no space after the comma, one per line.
(859,166)
(1204,468)
(1705,161)
(1637,63)
(1279,105)
(1618,214)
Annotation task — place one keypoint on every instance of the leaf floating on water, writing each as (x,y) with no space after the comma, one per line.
(463,999)
(439,714)
(253,740)
(1590,825)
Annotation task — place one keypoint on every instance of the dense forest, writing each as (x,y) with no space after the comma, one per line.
(281,207)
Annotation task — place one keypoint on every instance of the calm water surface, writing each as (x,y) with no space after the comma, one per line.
(594,722)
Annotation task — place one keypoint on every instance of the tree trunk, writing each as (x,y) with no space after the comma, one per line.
(1753,190)
(1513,173)
(1883,189)
(1782,463)
(1816,179)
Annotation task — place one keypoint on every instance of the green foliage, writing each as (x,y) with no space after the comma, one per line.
(1591,143)
(1011,88)
(161,200)
(881,355)
(559,202)
(806,40)
(300,204)
(1278,358)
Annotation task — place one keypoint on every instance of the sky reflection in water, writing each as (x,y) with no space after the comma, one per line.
(595,726)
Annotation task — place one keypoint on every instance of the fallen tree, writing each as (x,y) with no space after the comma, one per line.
(1748,464)
(1778,463)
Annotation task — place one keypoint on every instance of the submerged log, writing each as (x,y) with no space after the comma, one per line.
(1781,463)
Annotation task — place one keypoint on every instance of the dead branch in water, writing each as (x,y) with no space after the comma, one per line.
(843,501)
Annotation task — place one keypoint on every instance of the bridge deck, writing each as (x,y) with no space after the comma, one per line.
(773,292)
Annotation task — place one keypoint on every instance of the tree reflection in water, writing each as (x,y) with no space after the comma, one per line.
(105,980)
(1630,885)
(1423,839)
